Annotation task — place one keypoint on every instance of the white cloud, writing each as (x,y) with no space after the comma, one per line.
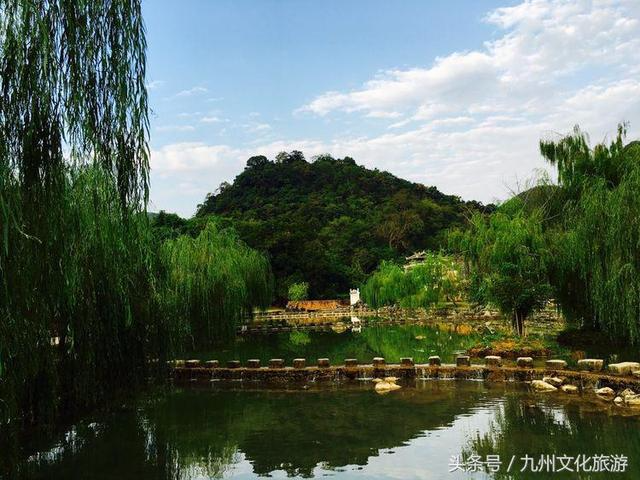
(192,91)
(211,119)
(175,128)
(470,122)
(155,84)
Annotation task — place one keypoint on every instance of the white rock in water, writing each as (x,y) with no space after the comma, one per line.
(542,386)
(605,392)
(383,387)
(569,389)
(618,400)
(591,364)
(632,400)
(624,368)
(391,379)
(626,393)
(555,381)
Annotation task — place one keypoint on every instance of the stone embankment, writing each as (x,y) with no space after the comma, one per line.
(619,384)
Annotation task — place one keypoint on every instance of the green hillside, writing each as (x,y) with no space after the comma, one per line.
(330,222)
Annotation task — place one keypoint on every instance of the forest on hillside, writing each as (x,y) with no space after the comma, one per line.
(327,222)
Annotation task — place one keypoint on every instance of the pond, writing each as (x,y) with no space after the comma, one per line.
(337,343)
(422,431)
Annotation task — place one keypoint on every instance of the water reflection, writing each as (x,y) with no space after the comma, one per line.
(350,340)
(346,432)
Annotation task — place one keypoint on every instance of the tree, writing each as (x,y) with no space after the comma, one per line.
(298,291)
(509,261)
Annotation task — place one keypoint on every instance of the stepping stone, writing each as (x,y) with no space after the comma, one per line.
(463,361)
(591,364)
(276,363)
(525,362)
(378,362)
(299,362)
(212,364)
(556,364)
(406,362)
(253,363)
(323,362)
(624,368)
(493,361)
(435,361)
(192,363)
(233,364)
(351,362)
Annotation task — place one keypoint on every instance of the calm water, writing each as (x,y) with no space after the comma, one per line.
(340,432)
(390,342)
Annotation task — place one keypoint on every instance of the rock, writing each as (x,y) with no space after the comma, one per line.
(376,380)
(212,363)
(591,364)
(351,362)
(605,392)
(636,373)
(434,361)
(626,393)
(569,389)
(390,379)
(541,386)
(555,381)
(632,400)
(378,362)
(323,362)
(493,361)
(299,362)
(420,337)
(192,363)
(383,387)
(463,361)
(618,400)
(524,362)
(556,364)
(276,363)
(406,362)
(233,364)
(624,368)
(253,363)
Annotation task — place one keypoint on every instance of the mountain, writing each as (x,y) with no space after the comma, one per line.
(330,222)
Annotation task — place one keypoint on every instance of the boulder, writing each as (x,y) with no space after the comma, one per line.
(626,393)
(605,392)
(591,364)
(569,389)
(624,368)
(542,386)
(555,381)
(632,400)
(618,400)
(390,379)
(383,387)
(434,361)
(636,373)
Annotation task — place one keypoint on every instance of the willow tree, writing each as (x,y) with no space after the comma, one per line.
(598,260)
(509,260)
(212,282)
(431,283)
(74,270)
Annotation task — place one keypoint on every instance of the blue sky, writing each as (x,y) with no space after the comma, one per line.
(452,94)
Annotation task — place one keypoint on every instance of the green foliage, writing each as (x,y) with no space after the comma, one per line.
(509,259)
(298,291)
(331,221)
(212,282)
(435,281)
(74,260)
(597,269)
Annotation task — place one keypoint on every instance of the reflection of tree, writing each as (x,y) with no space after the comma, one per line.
(525,425)
(391,342)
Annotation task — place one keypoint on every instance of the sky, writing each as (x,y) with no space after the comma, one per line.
(455,94)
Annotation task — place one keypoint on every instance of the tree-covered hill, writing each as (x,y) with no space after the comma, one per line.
(330,222)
